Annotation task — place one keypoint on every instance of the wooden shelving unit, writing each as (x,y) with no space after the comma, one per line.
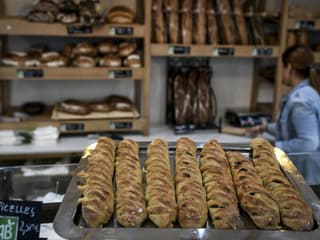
(71,73)
(18,26)
(180,50)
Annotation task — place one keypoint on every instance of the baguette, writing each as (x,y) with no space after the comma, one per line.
(253,197)
(191,196)
(295,213)
(160,191)
(130,203)
(98,196)
(221,196)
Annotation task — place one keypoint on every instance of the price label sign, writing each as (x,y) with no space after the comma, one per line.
(121,31)
(121,125)
(223,52)
(9,228)
(182,50)
(20,220)
(120,74)
(304,24)
(268,52)
(29,73)
(74,29)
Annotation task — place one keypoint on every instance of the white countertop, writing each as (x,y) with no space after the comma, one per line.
(76,144)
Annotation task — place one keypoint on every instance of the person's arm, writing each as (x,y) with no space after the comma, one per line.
(307,131)
(271,128)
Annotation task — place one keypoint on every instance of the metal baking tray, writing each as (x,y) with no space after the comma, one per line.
(69,224)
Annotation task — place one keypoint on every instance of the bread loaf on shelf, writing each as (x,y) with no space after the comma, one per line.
(254,198)
(191,196)
(98,195)
(226,21)
(199,23)
(203,98)
(217,179)
(160,189)
(240,22)
(73,107)
(159,29)
(212,26)
(130,203)
(173,26)
(180,109)
(295,213)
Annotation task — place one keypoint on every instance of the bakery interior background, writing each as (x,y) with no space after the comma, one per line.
(239,79)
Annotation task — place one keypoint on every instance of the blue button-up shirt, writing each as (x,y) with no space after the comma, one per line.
(297,128)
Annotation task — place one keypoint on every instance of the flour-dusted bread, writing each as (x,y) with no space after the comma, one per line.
(295,213)
(221,196)
(191,195)
(254,198)
(160,190)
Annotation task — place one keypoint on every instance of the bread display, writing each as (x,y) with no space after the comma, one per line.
(14,59)
(130,203)
(295,213)
(98,195)
(180,109)
(126,48)
(199,23)
(191,196)
(83,12)
(101,106)
(120,15)
(73,107)
(204,99)
(160,189)
(53,59)
(172,18)
(221,196)
(120,103)
(254,198)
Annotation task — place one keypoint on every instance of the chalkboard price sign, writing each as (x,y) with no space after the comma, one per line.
(19,220)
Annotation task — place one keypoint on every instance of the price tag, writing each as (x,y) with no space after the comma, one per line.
(262,52)
(9,228)
(20,220)
(223,52)
(72,127)
(74,29)
(121,125)
(121,31)
(304,24)
(183,50)
(120,74)
(30,73)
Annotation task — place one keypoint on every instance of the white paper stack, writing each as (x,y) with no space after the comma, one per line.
(45,135)
(8,137)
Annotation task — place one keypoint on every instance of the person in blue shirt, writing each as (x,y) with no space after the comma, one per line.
(297,128)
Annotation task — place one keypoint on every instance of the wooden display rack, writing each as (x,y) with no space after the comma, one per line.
(256,52)
(18,26)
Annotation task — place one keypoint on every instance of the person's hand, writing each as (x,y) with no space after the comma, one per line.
(256,130)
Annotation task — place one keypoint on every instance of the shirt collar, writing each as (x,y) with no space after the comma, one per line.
(302,84)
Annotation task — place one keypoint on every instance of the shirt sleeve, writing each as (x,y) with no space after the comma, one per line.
(271,128)
(306,127)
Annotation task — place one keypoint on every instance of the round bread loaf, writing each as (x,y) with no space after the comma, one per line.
(14,59)
(84,62)
(120,14)
(85,49)
(110,61)
(100,107)
(107,47)
(73,107)
(126,48)
(133,61)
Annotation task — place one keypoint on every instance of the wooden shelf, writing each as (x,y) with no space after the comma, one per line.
(71,73)
(181,50)
(20,26)
(79,126)
(297,24)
